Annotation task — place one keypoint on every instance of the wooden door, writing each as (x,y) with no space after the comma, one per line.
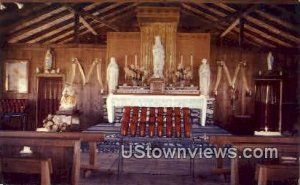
(49,90)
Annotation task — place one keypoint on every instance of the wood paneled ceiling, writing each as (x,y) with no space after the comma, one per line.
(270,25)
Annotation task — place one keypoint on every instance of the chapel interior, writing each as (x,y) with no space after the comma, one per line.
(89,86)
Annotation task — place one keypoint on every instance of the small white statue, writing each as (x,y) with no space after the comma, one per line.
(112,75)
(68,100)
(270,60)
(204,77)
(158,58)
(49,60)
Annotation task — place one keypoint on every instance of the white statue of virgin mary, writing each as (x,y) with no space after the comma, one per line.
(270,61)
(204,77)
(112,75)
(49,60)
(158,58)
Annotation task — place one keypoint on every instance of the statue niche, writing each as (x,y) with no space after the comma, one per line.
(158,59)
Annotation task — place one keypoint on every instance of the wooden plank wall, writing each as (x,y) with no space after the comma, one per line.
(232,56)
(90,100)
(89,97)
(196,44)
(120,44)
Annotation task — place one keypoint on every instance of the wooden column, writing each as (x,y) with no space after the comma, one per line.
(241,36)
(298,93)
(241,45)
(76,27)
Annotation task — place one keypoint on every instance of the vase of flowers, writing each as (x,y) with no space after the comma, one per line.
(138,75)
(182,75)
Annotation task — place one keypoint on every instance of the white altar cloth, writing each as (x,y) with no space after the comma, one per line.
(138,100)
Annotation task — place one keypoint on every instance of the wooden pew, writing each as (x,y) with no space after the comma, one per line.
(220,141)
(19,141)
(279,172)
(263,171)
(27,165)
(62,140)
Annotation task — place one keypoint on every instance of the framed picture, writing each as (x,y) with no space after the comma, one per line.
(16,76)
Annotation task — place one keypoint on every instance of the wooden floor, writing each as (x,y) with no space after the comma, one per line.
(151,172)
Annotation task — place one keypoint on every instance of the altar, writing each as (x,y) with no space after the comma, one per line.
(151,100)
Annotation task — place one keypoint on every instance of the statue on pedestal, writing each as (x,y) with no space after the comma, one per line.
(49,61)
(112,75)
(270,61)
(158,58)
(68,100)
(204,77)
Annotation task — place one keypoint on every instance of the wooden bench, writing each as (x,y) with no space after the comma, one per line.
(220,141)
(275,172)
(29,165)
(264,171)
(61,140)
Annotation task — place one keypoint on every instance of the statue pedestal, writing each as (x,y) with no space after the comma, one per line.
(157,86)
(75,118)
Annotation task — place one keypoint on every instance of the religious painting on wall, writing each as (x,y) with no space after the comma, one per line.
(16,76)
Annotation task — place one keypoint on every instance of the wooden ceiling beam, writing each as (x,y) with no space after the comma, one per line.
(32,29)
(269,35)
(254,37)
(277,20)
(197,11)
(43,15)
(284,11)
(35,30)
(76,27)
(68,33)
(225,7)
(211,9)
(67,28)
(54,28)
(199,14)
(238,16)
(273,29)
(87,25)
(98,19)
(233,36)
(26,20)
(251,38)
(204,20)
(234,16)
(230,27)
(254,28)
(110,17)
(158,1)
(8,15)
(258,40)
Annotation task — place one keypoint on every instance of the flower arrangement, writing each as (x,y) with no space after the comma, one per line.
(56,123)
(182,73)
(137,74)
